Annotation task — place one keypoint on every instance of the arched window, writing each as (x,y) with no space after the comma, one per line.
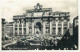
(20,25)
(16,21)
(24,24)
(30,24)
(30,30)
(20,30)
(24,30)
(59,30)
(15,30)
(65,29)
(47,29)
(54,23)
(15,25)
(20,21)
(59,23)
(65,23)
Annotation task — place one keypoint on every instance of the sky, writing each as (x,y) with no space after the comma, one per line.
(9,8)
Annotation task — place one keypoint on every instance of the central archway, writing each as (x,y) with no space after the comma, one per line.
(38,28)
(38,24)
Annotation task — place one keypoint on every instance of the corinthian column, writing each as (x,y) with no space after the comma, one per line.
(18,26)
(56,26)
(27,27)
(32,27)
(14,27)
(62,25)
(50,27)
(43,27)
(22,26)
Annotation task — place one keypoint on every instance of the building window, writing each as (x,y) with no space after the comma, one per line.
(30,30)
(65,29)
(16,25)
(15,30)
(53,24)
(53,31)
(20,21)
(65,24)
(20,30)
(30,24)
(24,30)
(20,25)
(59,24)
(32,14)
(24,25)
(59,30)
(47,23)
(15,21)
(62,14)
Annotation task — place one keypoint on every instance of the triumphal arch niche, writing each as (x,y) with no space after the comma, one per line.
(41,21)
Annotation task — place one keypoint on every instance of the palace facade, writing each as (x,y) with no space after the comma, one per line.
(41,21)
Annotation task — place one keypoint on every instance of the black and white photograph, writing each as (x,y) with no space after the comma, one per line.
(39,25)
